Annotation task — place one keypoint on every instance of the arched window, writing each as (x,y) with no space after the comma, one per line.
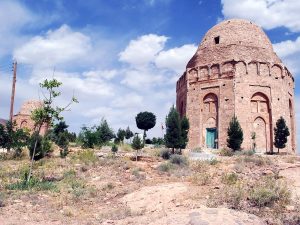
(259,103)
(210,103)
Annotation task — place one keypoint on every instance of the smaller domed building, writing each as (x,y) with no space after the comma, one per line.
(23,118)
(235,71)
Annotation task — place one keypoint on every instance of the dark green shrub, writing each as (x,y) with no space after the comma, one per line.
(178,160)
(43,146)
(235,134)
(165,153)
(114,149)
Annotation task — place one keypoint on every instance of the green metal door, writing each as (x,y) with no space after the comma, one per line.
(211,135)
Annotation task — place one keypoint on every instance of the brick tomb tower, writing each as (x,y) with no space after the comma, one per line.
(235,71)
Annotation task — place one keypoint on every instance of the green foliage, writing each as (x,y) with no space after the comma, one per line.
(165,167)
(185,126)
(63,143)
(128,133)
(235,134)
(87,137)
(165,153)
(42,144)
(120,135)
(230,178)
(86,156)
(145,121)
(269,191)
(34,183)
(12,137)
(173,130)
(137,143)
(104,133)
(281,132)
(226,152)
(178,160)
(114,149)
(148,141)
(158,141)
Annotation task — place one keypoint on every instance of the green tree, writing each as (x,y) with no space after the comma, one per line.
(88,137)
(104,132)
(114,149)
(281,132)
(185,126)
(137,144)
(63,143)
(173,137)
(38,146)
(48,113)
(121,135)
(235,134)
(145,121)
(12,137)
(128,133)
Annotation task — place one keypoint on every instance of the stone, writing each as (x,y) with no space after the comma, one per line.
(235,71)
(290,208)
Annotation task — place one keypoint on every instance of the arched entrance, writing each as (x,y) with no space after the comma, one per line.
(210,121)
(259,127)
(291,127)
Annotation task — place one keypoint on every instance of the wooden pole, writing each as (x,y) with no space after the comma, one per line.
(13,90)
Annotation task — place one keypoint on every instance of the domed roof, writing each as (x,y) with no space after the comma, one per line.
(234,39)
(29,106)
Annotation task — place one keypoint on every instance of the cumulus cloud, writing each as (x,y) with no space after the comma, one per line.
(176,58)
(267,13)
(56,47)
(289,52)
(143,50)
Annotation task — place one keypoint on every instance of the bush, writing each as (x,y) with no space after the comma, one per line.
(226,152)
(247,152)
(33,184)
(257,160)
(165,153)
(178,160)
(230,178)
(213,161)
(148,141)
(201,179)
(165,167)
(43,146)
(86,157)
(114,149)
(268,192)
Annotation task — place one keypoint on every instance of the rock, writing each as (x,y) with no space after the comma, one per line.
(268,172)
(290,208)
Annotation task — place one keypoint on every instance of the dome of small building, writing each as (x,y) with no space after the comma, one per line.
(29,106)
(234,39)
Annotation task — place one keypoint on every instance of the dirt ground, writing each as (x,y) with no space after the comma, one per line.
(94,187)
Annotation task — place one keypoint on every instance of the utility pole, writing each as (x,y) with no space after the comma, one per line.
(13,90)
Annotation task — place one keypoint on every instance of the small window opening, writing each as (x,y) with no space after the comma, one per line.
(217,40)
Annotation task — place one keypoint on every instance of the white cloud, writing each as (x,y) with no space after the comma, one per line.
(176,58)
(267,13)
(289,52)
(56,47)
(143,50)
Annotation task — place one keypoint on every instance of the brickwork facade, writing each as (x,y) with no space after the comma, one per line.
(23,118)
(235,71)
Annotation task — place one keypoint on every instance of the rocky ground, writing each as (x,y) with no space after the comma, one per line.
(94,187)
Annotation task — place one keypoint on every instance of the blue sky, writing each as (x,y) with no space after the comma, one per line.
(120,57)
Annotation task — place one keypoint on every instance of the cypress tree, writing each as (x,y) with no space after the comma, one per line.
(281,133)
(173,136)
(185,126)
(235,134)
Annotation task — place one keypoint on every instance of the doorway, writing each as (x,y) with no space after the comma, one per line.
(211,136)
